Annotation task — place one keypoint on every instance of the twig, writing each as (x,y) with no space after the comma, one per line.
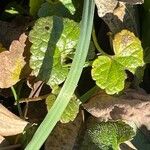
(10,147)
(83,98)
(96,42)
(34,99)
(33,93)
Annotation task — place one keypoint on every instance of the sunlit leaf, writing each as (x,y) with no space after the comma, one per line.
(68,4)
(109,71)
(53,38)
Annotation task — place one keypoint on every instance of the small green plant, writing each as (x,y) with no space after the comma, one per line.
(107,135)
(109,71)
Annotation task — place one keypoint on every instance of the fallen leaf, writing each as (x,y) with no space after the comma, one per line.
(12,63)
(1,139)
(133,2)
(123,107)
(10,124)
(105,6)
(119,14)
(108,6)
(64,136)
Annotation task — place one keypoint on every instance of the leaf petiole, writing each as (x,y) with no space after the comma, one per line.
(17,101)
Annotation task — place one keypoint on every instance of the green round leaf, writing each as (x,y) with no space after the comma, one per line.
(108,135)
(109,71)
(109,75)
(52,38)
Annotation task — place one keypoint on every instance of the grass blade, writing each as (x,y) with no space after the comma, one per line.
(70,84)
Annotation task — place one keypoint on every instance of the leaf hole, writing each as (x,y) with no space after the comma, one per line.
(47,28)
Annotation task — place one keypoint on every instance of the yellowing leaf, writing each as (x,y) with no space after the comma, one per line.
(2,140)
(128,50)
(109,71)
(12,62)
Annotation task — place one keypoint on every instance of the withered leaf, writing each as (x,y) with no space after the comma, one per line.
(126,108)
(133,2)
(12,62)
(1,139)
(10,124)
(108,6)
(119,14)
(105,6)
(64,136)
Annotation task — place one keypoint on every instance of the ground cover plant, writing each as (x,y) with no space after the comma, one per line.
(75,74)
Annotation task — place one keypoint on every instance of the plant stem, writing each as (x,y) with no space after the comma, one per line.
(83,98)
(96,42)
(88,94)
(17,101)
(33,99)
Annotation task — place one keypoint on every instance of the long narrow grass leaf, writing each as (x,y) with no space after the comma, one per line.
(70,84)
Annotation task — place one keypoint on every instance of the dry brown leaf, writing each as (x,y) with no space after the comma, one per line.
(133,2)
(120,11)
(119,14)
(64,136)
(2,139)
(108,6)
(123,107)
(105,6)
(12,63)
(10,124)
